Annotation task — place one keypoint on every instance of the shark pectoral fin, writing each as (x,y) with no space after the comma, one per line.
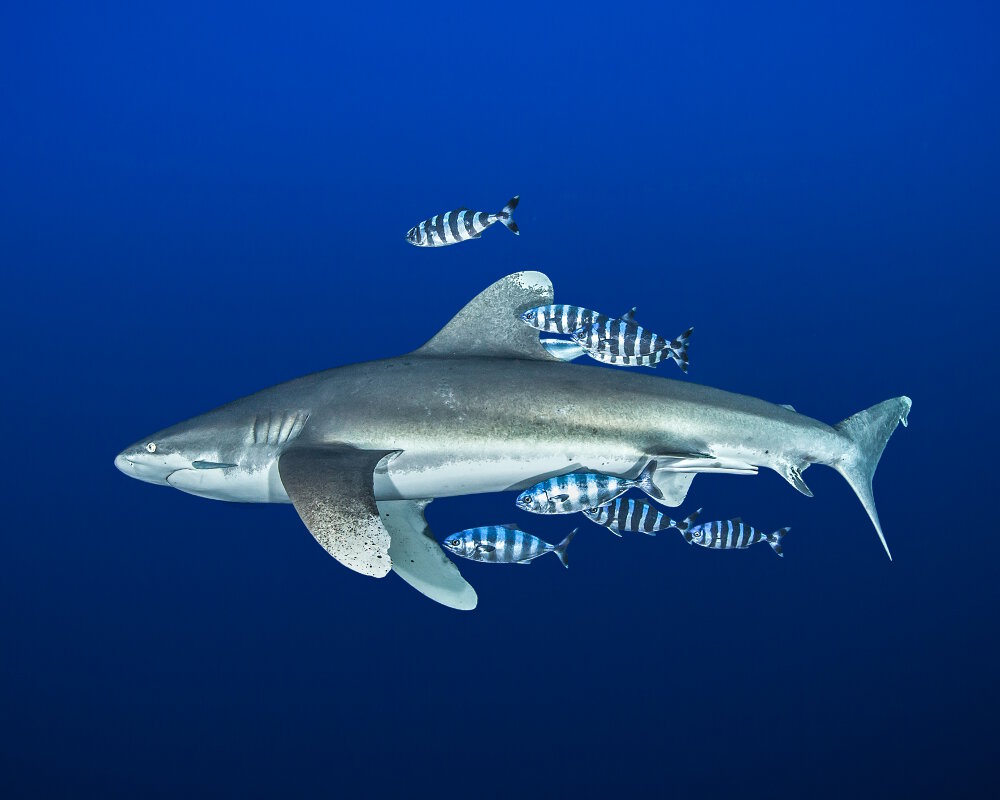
(793,475)
(332,490)
(419,560)
(673,486)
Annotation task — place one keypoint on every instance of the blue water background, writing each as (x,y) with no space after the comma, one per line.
(198,203)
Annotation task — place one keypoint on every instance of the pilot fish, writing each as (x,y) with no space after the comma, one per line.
(561,318)
(460,225)
(504,544)
(626,343)
(732,534)
(636,516)
(567,494)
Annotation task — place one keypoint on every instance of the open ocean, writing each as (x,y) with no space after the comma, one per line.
(200,201)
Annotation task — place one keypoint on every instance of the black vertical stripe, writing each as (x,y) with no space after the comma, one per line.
(453,225)
(470,228)
(483,219)
(645,342)
(439,228)
(650,521)
(622,520)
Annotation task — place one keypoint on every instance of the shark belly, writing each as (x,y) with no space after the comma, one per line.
(415,475)
(234,484)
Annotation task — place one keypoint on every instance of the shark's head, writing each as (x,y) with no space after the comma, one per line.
(155,458)
(224,454)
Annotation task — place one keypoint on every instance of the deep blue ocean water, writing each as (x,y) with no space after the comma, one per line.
(198,203)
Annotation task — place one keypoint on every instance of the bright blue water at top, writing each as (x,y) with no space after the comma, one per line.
(195,204)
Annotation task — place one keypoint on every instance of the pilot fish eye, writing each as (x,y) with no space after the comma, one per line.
(151,447)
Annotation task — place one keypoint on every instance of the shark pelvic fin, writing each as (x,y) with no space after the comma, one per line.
(673,486)
(332,489)
(490,324)
(419,560)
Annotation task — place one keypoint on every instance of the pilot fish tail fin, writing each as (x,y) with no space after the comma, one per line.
(679,349)
(645,482)
(869,431)
(775,540)
(685,523)
(560,549)
(506,216)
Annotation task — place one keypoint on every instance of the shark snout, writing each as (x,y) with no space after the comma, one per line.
(133,465)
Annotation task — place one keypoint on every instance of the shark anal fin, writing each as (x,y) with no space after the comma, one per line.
(490,324)
(793,475)
(332,491)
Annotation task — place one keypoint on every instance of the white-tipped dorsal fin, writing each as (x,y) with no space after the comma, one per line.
(490,325)
(785,405)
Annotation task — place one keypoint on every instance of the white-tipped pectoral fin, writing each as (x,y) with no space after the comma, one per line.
(332,491)
(419,560)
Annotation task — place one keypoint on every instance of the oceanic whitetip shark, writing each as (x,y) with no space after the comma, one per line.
(361,450)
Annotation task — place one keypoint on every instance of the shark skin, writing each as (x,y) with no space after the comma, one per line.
(483,407)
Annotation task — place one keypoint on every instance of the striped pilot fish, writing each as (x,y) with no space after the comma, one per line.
(624,342)
(636,516)
(460,225)
(561,318)
(504,544)
(567,494)
(732,534)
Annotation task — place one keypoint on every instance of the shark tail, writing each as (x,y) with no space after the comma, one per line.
(679,349)
(560,549)
(506,216)
(869,431)
(775,540)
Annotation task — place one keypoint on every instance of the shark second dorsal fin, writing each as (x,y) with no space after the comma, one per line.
(490,324)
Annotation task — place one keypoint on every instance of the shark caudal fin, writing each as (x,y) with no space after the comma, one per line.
(560,549)
(775,540)
(506,216)
(679,349)
(869,431)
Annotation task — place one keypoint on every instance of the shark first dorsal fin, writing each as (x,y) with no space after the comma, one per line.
(490,324)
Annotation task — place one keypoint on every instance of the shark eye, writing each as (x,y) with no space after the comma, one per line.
(151,447)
